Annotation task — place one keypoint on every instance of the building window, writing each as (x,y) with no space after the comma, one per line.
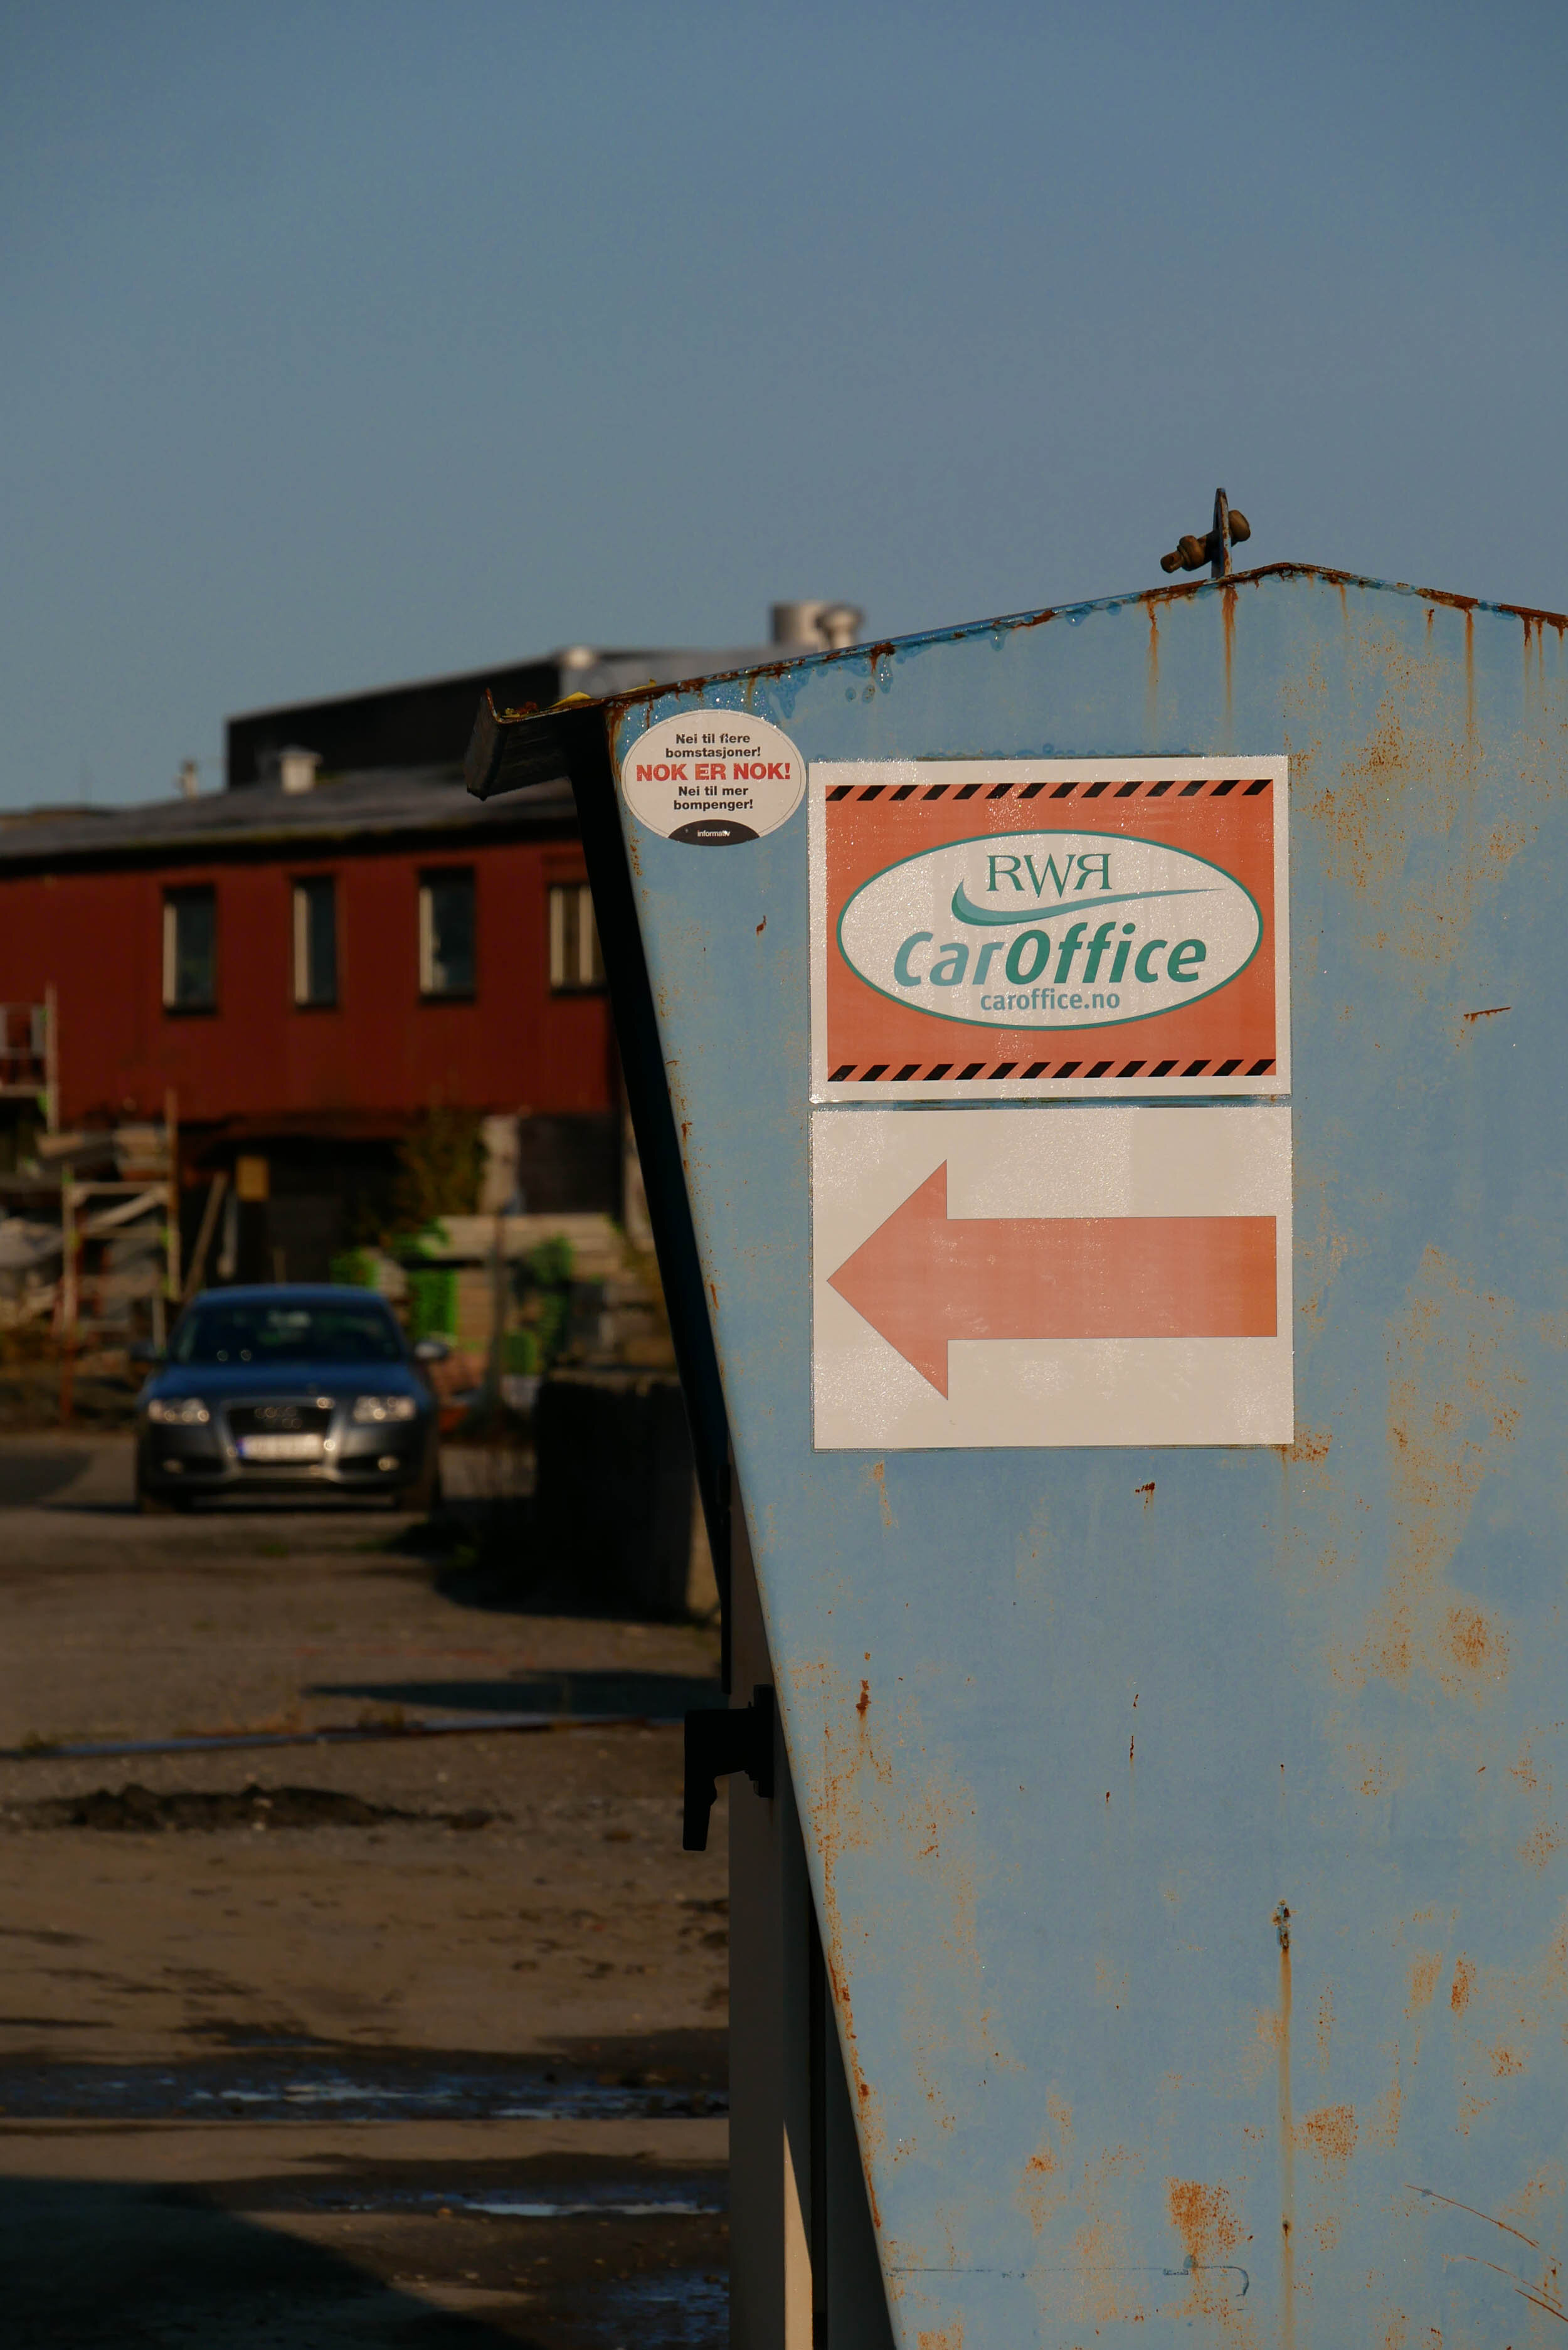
(189,950)
(316,940)
(446,932)
(575,958)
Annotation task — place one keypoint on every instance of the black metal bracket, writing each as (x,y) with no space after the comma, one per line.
(573,740)
(719,1739)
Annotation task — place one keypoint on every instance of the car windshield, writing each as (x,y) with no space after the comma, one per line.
(293,1333)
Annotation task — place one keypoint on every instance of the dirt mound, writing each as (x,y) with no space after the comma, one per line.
(139,1810)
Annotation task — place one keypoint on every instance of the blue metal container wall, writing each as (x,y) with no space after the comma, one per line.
(1185,1825)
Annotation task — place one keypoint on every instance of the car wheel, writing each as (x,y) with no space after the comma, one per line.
(160,1505)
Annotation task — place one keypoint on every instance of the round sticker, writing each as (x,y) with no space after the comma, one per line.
(712,778)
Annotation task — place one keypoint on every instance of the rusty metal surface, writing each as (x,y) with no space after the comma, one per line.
(1187,1826)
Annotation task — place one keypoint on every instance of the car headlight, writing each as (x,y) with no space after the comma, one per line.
(179,1412)
(377,1408)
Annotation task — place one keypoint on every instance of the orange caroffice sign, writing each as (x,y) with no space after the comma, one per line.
(1011,929)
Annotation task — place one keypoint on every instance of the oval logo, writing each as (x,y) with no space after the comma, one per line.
(1050,930)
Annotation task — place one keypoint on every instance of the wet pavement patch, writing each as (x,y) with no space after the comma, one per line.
(669,2312)
(280,2087)
(138,1810)
(625,1695)
(617,2199)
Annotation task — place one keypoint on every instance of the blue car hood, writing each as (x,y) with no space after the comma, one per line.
(220,1381)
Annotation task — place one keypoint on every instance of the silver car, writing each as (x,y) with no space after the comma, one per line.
(292,1389)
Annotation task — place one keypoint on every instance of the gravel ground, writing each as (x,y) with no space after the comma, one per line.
(413,2040)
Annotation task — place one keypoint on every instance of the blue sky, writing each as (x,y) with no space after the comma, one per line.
(350,343)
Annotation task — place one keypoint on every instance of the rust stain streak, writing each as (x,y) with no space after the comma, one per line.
(1534,661)
(1287,2142)
(1228,616)
(1206,2221)
(1413,776)
(1456,1394)
(1151,679)
(1431,2196)
(1423,1973)
(1470,1638)
(852,2049)
(1473,2260)
(1469,676)
(864,1797)
(1490,1012)
(1312,1444)
(1331,2134)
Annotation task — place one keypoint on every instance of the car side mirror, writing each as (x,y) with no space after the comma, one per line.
(144,1351)
(431,1350)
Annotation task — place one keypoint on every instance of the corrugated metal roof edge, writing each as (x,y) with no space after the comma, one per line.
(603,656)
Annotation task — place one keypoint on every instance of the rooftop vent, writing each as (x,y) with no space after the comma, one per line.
(297,768)
(817,626)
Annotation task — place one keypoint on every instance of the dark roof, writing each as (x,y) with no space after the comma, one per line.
(380,807)
(423,723)
(426,722)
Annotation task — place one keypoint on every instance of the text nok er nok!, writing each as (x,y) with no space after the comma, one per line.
(715,771)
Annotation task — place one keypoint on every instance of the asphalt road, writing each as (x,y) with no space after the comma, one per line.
(404,2041)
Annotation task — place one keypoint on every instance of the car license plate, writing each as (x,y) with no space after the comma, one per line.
(281,1447)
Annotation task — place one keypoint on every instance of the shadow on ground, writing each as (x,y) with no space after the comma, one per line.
(103,2265)
(372,2256)
(493,1553)
(29,1475)
(653,1697)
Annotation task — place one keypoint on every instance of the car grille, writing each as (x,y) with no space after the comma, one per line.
(279,1419)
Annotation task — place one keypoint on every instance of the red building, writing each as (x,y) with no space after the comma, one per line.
(339,941)
(308,972)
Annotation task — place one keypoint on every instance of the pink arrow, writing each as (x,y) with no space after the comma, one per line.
(923,1278)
